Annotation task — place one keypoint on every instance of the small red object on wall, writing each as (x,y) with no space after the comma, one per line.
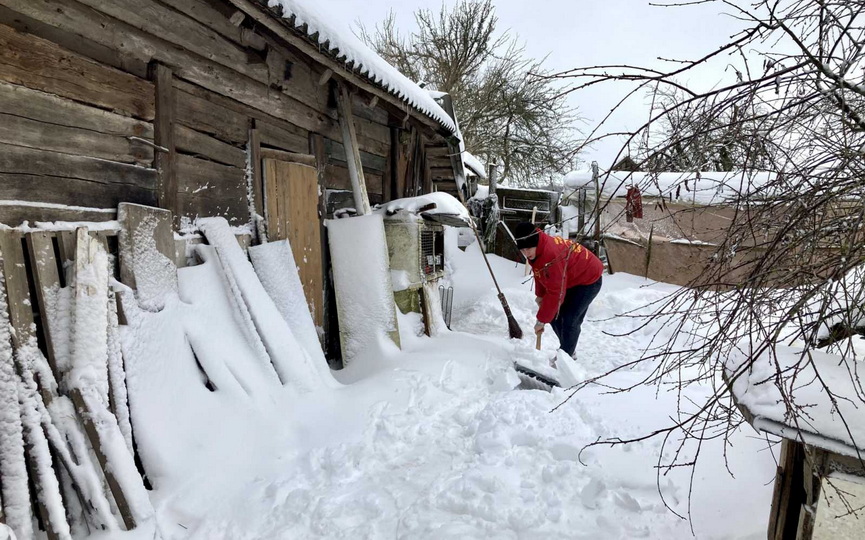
(633,204)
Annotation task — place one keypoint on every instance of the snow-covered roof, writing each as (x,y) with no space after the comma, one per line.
(819,422)
(474,164)
(327,32)
(703,187)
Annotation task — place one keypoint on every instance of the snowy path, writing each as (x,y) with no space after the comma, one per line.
(431,442)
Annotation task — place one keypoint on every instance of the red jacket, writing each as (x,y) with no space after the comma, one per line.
(559,265)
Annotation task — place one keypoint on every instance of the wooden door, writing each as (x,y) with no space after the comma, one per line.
(291,195)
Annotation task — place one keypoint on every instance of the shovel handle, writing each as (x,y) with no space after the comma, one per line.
(538,341)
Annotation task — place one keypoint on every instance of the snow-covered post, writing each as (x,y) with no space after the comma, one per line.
(493,175)
(597,212)
(352,154)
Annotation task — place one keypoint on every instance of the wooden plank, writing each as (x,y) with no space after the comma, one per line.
(20,309)
(163,129)
(374,185)
(305,159)
(36,105)
(371,162)
(74,42)
(41,65)
(44,107)
(145,234)
(177,28)
(275,226)
(228,119)
(197,144)
(17,287)
(349,141)
(44,136)
(203,177)
(337,177)
(39,192)
(46,276)
(209,74)
(208,116)
(154,19)
(222,22)
(294,140)
(16,507)
(22,160)
(362,109)
(195,206)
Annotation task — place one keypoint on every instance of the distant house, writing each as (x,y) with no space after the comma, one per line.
(685,214)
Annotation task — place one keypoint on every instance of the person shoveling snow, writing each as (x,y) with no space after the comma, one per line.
(567,279)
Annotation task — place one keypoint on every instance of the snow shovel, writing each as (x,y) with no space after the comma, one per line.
(513,326)
(531,379)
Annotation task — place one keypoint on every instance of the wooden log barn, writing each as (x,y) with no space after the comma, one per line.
(201,107)
(256,111)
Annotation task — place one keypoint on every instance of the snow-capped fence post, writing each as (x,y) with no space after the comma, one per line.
(352,153)
(147,253)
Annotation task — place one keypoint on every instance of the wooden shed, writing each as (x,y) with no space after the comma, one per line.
(223,108)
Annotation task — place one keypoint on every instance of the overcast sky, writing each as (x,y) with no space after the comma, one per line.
(588,32)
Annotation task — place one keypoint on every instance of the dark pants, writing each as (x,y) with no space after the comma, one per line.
(567,323)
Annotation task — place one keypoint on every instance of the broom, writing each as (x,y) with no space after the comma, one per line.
(513,327)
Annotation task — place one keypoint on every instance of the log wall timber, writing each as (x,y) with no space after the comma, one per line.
(207,188)
(37,175)
(43,121)
(100,24)
(38,64)
(336,154)
(88,59)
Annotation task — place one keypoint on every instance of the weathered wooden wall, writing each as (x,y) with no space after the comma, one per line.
(88,89)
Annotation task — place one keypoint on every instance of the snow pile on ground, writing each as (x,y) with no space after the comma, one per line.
(432,441)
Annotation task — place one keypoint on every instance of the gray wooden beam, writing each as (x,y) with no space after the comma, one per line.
(163,128)
(349,141)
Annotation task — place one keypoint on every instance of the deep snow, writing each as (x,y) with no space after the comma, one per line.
(433,441)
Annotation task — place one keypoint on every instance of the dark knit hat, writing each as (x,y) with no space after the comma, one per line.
(527,235)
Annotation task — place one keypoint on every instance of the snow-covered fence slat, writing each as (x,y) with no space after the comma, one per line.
(67,439)
(51,421)
(13,471)
(20,313)
(43,264)
(89,393)
(275,266)
(262,321)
